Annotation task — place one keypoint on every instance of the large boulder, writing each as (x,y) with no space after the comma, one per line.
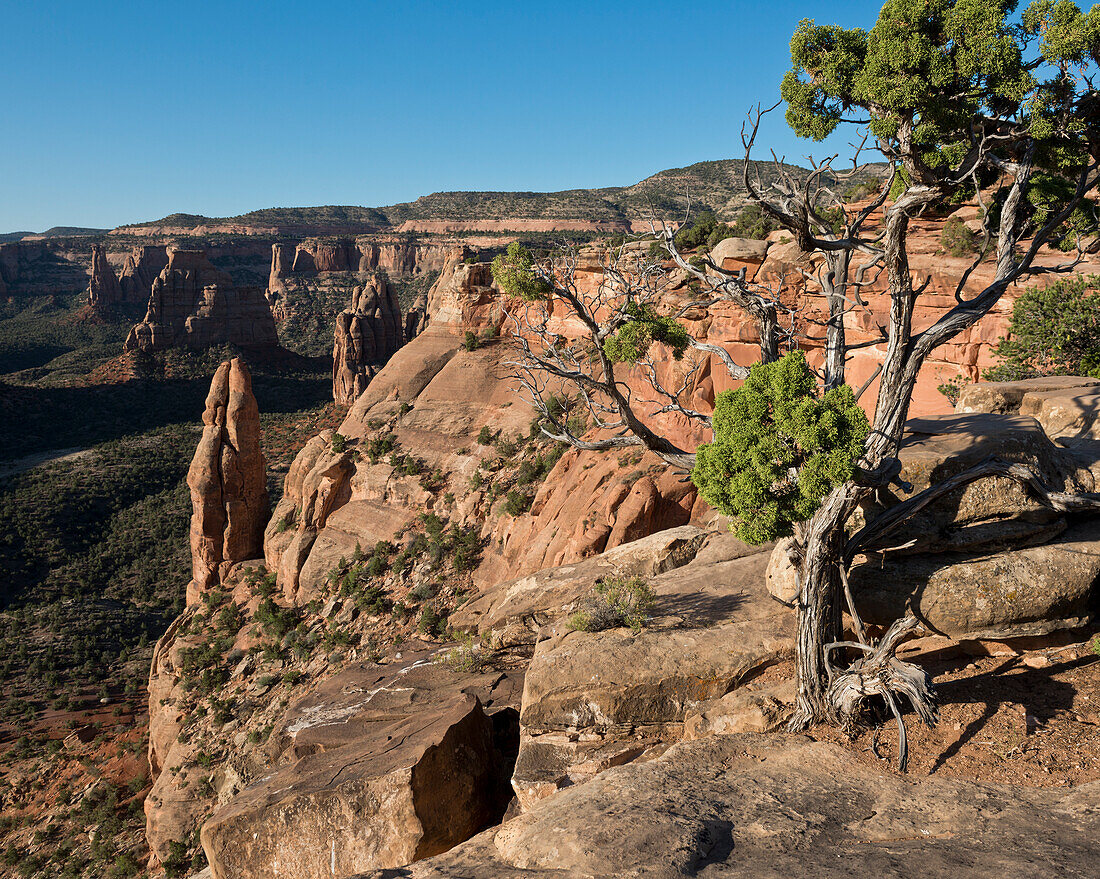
(986,560)
(227,479)
(776,806)
(413,789)
(593,700)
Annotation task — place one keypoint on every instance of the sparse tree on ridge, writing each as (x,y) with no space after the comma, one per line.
(962,98)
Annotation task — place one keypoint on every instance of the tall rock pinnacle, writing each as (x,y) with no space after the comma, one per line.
(227,479)
(104,290)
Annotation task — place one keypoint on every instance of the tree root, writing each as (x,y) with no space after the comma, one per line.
(880,674)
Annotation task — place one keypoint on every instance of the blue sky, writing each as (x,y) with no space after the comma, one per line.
(120,112)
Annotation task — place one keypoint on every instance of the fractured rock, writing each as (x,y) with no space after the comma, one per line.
(104,291)
(774,806)
(193,304)
(368,334)
(227,479)
(140,270)
(419,787)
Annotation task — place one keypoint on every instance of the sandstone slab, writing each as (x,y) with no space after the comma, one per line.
(777,806)
(417,788)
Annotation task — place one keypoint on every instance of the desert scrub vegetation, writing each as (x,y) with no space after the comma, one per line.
(957,239)
(1053,331)
(614,602)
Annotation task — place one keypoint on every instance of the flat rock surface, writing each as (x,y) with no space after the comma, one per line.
(778,806)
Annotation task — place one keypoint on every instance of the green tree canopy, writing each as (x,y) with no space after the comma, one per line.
(778,448)
(939,73)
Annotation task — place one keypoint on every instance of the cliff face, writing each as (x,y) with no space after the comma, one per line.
(368,334)
(104,290)
(194,305)
(140,270)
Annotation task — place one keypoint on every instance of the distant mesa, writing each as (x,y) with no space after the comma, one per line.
(193,304)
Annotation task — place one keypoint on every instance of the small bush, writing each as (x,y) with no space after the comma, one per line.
(614,602)
(953,388)
(957,239)
(339,442)
(518,503)
(472,342)
(484,436)
(431,621)
(466,656)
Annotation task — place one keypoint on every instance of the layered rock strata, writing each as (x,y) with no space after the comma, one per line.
(227,479)
(753,806)
(195,305)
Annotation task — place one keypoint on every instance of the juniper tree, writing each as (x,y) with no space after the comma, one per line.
(963,99)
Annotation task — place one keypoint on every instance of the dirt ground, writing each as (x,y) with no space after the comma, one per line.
(1030,718)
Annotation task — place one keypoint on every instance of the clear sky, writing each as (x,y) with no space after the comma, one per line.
(119,112)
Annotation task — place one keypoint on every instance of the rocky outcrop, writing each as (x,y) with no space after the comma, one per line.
(227,479)
(754,806)
(987,561)
(194,305)
(592,700)
(140,270)
(397,792)
(104,290)
(368,334)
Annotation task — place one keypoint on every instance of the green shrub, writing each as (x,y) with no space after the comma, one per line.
(466,656)
(484,436)
(778,448)
(431,621)
(631,342)
(957,239)
(952,388)
(1053,331)
(518,503)
(472,342)
(615,602)
(339,442)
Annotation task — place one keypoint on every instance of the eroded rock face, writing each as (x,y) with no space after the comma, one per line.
(140,270)
(593,700)
(104,290)
(227,479)
(368,334)
(779,806)
(416,788)
(193,304)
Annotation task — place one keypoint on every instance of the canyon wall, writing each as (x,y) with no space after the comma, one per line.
(194,305)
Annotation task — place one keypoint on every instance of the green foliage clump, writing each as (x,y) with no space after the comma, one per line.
(953,388)
(466,656)
(938,65)
(339,442)
(615,602)
(1053,331)
(697,233)
(484,436)
(779,448)
(472,342)
(518,503)
(631,343)
(957,239)
(515,274)
(752,222)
